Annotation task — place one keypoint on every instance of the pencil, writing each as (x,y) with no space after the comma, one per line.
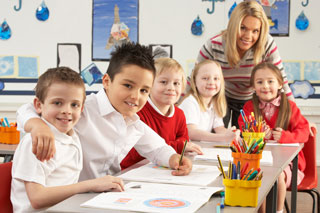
(221,146)
(182,153)
(220,164)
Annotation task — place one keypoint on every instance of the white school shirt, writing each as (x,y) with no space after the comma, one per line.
(106,138)
(63,169)
(206,121)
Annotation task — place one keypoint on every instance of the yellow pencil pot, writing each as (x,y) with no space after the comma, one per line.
(241,192)
(252,159)
(249,136)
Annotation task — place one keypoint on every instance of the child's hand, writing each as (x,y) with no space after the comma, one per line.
(191,147)
(231,134)
(267,131)
(106,183)
(276,133)
(185,167)
(43,142)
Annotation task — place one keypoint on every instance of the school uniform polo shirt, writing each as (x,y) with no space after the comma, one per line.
(206,121)
(63,169)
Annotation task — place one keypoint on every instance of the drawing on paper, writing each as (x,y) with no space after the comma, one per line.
(28,67)
(123,200)
(166,203)
(6,66)
(160,167)
(293,70)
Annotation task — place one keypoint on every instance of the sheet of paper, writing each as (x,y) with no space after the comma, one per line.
(201,175)
(154,197)
(210,154)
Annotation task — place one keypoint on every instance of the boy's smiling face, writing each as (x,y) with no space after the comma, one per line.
(129,90)
(62,106)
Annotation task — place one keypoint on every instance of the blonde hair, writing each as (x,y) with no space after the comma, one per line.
(244,9)
(219,100)
(285,109)
(165,64)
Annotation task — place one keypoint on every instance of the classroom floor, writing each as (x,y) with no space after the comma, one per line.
(304,204)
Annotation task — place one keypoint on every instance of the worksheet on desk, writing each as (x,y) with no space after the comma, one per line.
(201,175)
(210,154)
(154,197)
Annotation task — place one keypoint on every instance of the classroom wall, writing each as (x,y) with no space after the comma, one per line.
(160,22)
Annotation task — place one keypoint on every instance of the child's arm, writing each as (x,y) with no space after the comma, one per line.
(298,129)
(42,138)
(41,197)
(222,135)
(192,147)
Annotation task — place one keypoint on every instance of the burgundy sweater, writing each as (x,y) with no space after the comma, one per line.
(172,129)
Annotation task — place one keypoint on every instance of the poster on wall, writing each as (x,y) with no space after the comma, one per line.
(114,22)
(278,13)
(69,55)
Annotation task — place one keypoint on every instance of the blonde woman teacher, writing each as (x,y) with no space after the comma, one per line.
(245,43)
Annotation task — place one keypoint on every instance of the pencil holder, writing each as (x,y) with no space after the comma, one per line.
(9,135)
(252,159)
(241,192)
(252,135)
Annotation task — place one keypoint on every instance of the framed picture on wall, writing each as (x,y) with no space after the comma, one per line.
(278,13)
(161,50)
(114,22)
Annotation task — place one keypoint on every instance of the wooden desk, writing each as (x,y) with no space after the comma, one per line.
(7,151)
(282,156)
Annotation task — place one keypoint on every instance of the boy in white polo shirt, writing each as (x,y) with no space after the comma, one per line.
(60,94)
(109,126)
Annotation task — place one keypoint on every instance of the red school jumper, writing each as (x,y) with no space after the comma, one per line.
(172,129)
(298,129)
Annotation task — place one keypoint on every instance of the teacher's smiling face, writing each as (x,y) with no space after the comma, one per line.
(248,35)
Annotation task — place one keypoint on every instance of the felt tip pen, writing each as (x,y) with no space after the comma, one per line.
(7,122)
(222,200)
(218,208)
(244,169)
(247,175)
(238,170)
(253,175)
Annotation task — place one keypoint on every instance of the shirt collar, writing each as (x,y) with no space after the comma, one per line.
(275,102)
(156,108)
(61,137)
(105,107)
(104,104)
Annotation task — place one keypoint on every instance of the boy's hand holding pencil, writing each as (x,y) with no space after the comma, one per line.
(181,164)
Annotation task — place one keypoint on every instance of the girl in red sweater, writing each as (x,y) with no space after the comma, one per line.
(285,124)
(161,114)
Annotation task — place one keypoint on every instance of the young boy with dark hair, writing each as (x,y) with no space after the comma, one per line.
(109,126)
(60,95)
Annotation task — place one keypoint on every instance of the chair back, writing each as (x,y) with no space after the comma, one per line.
(310,179)
(5,187)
